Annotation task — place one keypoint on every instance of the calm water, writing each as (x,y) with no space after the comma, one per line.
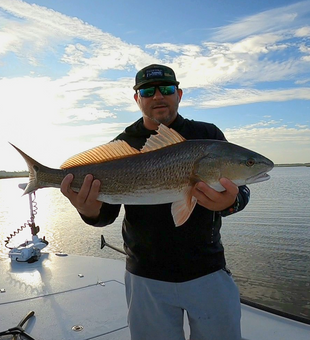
(267,245)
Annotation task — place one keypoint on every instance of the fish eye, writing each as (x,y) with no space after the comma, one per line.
(250,162)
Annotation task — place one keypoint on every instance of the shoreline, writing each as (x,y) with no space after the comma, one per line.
(13,174)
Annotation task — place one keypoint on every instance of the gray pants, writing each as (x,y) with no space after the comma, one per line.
(156,308)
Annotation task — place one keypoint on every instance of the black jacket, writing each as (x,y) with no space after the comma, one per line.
(157,249)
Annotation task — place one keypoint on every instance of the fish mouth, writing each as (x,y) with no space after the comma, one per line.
(261,177)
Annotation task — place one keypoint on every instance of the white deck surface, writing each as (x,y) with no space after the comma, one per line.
(68,291)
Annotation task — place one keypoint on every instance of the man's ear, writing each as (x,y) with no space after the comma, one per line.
(180,93)
(136,96)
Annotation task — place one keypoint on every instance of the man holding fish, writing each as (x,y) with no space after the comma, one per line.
(175,258)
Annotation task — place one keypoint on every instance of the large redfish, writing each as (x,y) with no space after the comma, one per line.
(165,170)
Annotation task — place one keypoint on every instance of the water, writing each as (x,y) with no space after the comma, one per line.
(266,245)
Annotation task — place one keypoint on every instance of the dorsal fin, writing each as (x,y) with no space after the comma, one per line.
(163,138)
(121,149)
(100,154)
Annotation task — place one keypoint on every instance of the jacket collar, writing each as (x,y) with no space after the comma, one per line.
(138,128)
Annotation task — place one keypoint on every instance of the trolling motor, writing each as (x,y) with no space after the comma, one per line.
(29,251)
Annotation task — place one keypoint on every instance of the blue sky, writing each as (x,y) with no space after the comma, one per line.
(67,69)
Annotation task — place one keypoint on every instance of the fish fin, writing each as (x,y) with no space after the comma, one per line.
(182,210)
(33,165)
(164,137)
(103,153)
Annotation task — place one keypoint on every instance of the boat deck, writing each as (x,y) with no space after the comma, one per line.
(81,297)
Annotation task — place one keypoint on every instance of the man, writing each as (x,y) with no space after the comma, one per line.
(170,270)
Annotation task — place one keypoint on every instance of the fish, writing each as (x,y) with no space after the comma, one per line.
(165,170)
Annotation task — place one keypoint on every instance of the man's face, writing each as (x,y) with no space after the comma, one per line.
(158,108)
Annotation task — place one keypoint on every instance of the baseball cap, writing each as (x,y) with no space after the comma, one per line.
(154,73)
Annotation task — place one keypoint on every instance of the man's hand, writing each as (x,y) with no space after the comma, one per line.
(85,201)
(214,200)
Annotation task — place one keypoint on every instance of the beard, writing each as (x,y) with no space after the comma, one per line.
(165,117)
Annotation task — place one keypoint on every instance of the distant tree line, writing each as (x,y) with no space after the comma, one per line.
(292,165)
(13,174)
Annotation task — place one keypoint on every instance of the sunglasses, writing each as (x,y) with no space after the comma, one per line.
(165,90)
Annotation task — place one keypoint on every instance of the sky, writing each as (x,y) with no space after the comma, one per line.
(67,69)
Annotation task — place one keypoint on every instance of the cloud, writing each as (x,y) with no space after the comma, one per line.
(271,130)
(253,60)
(88,114)
(278,19)
(83,52)
(303,32)
(267,47)
(221,97)
(188,50)
(85,45)
(88,52)
(274,140)
(303,81)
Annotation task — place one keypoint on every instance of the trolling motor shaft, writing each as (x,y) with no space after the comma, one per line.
(29,251)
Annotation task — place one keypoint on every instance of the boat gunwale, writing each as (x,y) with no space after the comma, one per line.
(275,311)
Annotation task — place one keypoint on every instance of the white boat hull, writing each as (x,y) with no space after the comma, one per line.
(81,297)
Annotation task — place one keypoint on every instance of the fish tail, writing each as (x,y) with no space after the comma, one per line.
(33,167)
